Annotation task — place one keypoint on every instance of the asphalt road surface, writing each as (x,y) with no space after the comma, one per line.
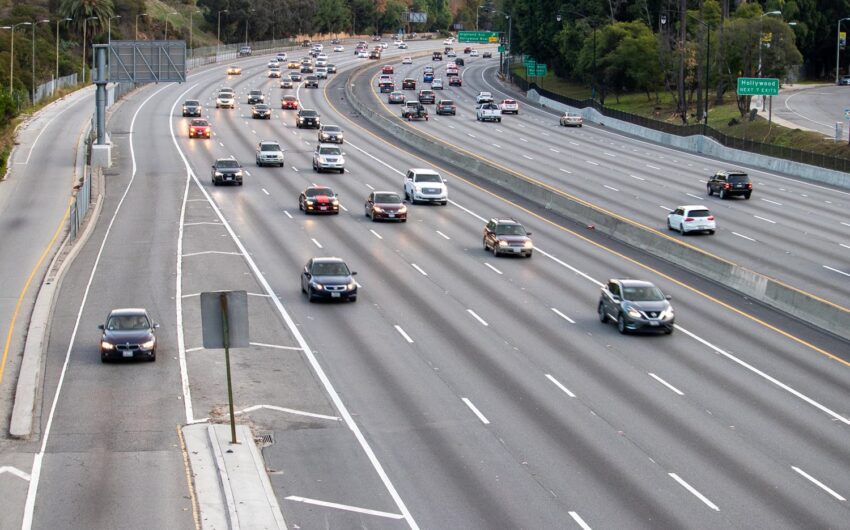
(816,109)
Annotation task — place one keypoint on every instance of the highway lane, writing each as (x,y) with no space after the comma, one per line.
(480,365)
(789,230)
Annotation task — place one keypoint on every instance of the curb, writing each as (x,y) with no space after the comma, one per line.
(817,312)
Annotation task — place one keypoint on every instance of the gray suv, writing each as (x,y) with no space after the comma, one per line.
(635,305)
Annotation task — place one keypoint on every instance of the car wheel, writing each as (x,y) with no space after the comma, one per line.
(528,256)
(711,232)
(669,226)
(600,310)
(499,120)
(682,229)
(747,196)
(723,193)
(668,331)
(310,296)
(484,242)
(152,358)
(495,250)
(353,298)
(341,170)
(709,191)
(103,358)
(621,324)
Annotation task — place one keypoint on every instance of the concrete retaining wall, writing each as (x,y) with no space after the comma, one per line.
(804,306)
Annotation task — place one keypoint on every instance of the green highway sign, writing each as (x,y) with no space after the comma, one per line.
(758,86)
(477,36)
(536,70)
(502,49)
(529,61)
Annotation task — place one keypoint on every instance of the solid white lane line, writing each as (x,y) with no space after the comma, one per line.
(288,214)
(418,268)
(567,171)
(15,471)
(665,383)
(443,235)
(579,521)
(570,267)
(558,384)
(694,196)
(477,412)
(592,163)
(494,269)
(693,490)
(554,150)
(528,157)
(316,242)
(741,235)
(772,202)
(835,270)
(565,317)
(843,245)
(376,234)
(818,483)
(650,166)
(764,219)
(273,346)
(476,317)
(265,191)
(610,188)
(637,177)
(366,511)
(370,187)
(403,334)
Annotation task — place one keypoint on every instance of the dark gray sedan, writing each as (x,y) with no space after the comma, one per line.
(636,305)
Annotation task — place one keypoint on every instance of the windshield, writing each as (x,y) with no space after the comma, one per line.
(428,177)
(199,123)
(269,147)
(642,293)
(329,150)
(510,230)
(256,93)
(227,164)
(289,98)
(333,268)
(191,103)
(309,113)
(261,107)
(387,198)
(319,192)
(331,128)
(127,323)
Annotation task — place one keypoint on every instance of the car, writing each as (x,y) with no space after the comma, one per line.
(328,279)
(286,82)
(376,38)
(446,106)
(452,70)
(305,43)
(407,60)
(226,99)
(322,57)
(635,305)
(128,333)
(402,46)
(339,48)
(451,54)
(483,97)
(384,45)
(308,118)
(192,108)
(428,77)
(487,55)
(375,54)
(245,51)
(387,69)
(306,69)
(296,76)
(321,63)
(455,80)
(274,73)
(488,112)
(200,128)
(386,84)
(571,119)
(331,68)
(729,184)
(437,56)
(412,110)
(427,97)
(321,73)
(425,185)
(227,170)
(844,80)
(261,111)
(385,205)
(311,81)
(289,103)
(335,41)
(449,41)
(408,84)
(273,63)
(256,96)
(363,54)
(281,57)
(269,153)
(507,236)
(396,97)
(691,218)
(428,70)
(330,157)
(509,106)
(331,134)
(437,84)
(234,70)
(473,53)
(459,61)
(293,65)
(318,199)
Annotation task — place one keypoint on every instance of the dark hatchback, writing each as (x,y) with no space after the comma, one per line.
(328,279)
(311,81)
(128,334)
(636,305)
(256,96)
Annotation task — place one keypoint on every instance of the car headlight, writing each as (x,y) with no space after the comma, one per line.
(351,286)
(528,244)
(104,345)
(632,312)
(148,345)
(219,174)
(503,243)
(238,173)
(403,209)
(378,209)
(667,313)
(335,202)
(317,286)
(309,203)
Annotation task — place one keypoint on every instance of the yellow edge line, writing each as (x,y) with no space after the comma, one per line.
(188,468)
(20,301)
(600,246)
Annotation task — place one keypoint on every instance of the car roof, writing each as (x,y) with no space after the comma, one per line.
(336,146)
(422,170)
(694,207)
(265,142)
(627,282)
(127,311)
(318,187)
(506,220)
(329,259)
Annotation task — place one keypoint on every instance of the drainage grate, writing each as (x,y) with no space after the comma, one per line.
(264,439)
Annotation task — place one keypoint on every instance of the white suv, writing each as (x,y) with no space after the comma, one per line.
(226,99)
(425,185)
(328,156)
(269,153)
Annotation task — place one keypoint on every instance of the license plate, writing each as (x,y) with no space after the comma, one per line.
(229,178)
(334,295)
(391,215)
(323,207)
(127,354)
(653,323)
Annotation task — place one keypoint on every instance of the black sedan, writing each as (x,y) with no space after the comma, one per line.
(128,334)
(261,111)
(328,279)
(636,305)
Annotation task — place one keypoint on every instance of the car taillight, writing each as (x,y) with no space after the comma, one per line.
(749,185)
(689,219)
(711,218)
(727,185)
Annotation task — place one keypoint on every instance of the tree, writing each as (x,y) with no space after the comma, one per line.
(332,16)
(79,10)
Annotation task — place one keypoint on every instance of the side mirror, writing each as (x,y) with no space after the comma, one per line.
(213,166)
(100,326)
(307,275)
(155,325)
(615,298)
(668,297)
(528,233)
(354,273)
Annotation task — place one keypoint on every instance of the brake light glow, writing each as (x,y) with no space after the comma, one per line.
(727,185)
(689,219)
(711,218)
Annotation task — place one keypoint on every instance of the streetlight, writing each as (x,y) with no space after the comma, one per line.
(838,48)
(85,20)
(761,25)
(166,23)
(56,77)
(191,36)
(218,34)
(707,53)
(12,53)
(45,21)
(136,36)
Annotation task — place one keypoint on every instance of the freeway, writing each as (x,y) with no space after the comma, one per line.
(792,230)
(459,391)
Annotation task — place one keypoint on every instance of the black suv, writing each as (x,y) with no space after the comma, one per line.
(635,305)
(311,81)
(226,171)
(192,107)
(507,236)
(256,96)
(307,118)
(730,183)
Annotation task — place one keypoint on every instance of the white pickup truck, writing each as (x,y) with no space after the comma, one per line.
(488,112)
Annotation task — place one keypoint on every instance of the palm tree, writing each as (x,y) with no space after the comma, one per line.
(79,10)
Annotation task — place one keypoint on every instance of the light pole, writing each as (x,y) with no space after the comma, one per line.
(12,53)
(85,20)
(191,33)
(761,26)
(166,23)
(56,77)
(45,21)
(136,36)
(218,34)
(838,48)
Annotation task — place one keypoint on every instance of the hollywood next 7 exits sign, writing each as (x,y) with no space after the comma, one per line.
(758,86)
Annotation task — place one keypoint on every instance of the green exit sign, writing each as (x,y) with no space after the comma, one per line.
(758,86)
(477,36)
(501,49)
(536,70)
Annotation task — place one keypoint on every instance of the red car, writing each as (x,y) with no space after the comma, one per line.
(455,80)
(467,50)
(385,205)
(199,128)
(289,102)
(318,199)
(388,69)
